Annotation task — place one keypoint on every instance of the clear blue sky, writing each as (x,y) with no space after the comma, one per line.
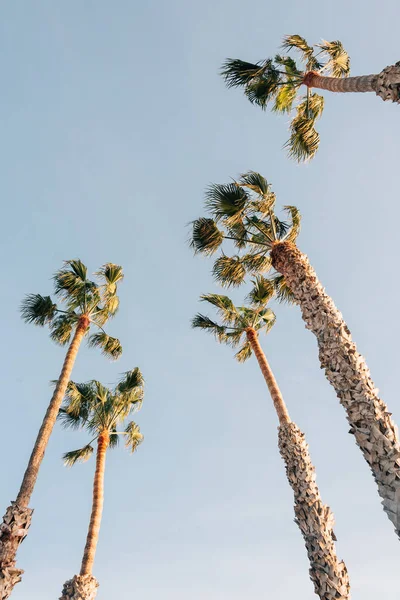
(113,122)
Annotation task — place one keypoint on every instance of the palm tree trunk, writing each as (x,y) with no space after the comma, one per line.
(346,370)
(84,586)
(270,380)
(17,519)
(315,520)
(97,506)
(386,84)
(80,587)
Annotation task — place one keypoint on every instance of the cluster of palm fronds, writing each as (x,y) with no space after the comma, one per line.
(277,81)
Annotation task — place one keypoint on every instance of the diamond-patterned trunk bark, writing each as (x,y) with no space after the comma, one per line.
(13,530)
(373,428)
(386,85)
(315,520)
(80,587)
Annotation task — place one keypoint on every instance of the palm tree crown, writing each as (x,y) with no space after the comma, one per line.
(243,212)
(100,410)
(82,300)
(236,321)
(277,80)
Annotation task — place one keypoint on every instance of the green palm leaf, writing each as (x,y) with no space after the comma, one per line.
(206,236)
(38,309)
(229,271)
(81,455)
(133,437)
(110,346)
(61,328)
(244,353)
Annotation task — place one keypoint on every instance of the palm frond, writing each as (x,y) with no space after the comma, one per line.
(307,52)
(38,309)
(304,139)
(267,318)
(61,328)
(262,292)
(114,439)
(224,305)
(109,346)
(255,182)
(81,455)
(282,290)
(293,73)
(256,263)
(130,387)
(296,223)
(77,401)
(206,237)
(130,380)
(226,202)
(244,353)
(200,321)
(112,274)
(71,278)
(261,90)
(338,64)
(285,98)
(238,72)
(133,437)
(229,271)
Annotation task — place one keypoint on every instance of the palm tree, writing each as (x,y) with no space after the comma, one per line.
(240,326)
(102,412)
(325,66)
(85,304)
(243,213)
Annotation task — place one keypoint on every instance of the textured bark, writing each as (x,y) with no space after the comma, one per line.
(315,520)
(375,432)
(97,505)
(11,535)
(13,530)
(266,370)
(386,85)
(80,587)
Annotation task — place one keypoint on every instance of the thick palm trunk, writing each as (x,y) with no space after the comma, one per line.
(270,380)
(17,519)
(386,84)
(84,586)
(80,587)
(346,370)
(315,520)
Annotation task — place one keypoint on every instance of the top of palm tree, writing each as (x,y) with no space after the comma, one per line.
(81,297)
(234,321)
(242,212)
(277,80)
(98,409)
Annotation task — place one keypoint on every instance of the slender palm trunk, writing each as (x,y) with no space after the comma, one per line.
(315,520)
(270,380)
(386,84)
(346,370)
(97,506)
(84,586)
(17,519)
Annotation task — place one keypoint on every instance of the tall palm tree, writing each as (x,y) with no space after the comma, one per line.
(243,213)
(240,326)
(325,66)
(102,412)
(85,304)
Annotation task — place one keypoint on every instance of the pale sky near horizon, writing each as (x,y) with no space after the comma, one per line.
(114,120)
